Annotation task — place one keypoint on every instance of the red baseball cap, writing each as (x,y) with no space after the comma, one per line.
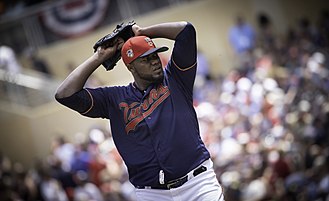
(139,46)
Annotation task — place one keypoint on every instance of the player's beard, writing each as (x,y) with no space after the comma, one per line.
(158,77)
(153,77)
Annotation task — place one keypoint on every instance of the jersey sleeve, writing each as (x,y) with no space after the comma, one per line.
(182,65)
(79,101)
(95,103)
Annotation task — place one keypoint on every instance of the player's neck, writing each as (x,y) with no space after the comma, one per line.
(142,85)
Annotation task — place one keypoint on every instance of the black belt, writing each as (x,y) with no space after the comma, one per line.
(175,183)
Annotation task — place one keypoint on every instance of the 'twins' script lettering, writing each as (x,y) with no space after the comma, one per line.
(136,112)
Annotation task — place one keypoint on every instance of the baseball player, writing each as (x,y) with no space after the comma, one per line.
(153,121)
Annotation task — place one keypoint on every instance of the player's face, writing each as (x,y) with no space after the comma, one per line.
(149,68)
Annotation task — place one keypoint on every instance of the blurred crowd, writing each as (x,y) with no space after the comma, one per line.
(88,168)
(266,124)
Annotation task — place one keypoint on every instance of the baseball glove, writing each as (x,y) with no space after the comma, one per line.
(123,30)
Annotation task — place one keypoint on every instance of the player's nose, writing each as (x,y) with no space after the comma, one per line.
(155,60)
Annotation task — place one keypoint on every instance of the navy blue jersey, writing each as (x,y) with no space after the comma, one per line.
(156,129)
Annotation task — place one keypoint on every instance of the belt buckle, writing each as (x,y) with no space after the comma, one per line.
(177,183)
(171,184)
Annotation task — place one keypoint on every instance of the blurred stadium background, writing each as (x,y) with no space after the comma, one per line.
(263,109)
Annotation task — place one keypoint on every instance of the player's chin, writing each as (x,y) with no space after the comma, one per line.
(158,78)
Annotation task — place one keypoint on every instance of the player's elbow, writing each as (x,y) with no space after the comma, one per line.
(61,92)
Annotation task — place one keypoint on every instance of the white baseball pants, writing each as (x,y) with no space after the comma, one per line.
(203,187)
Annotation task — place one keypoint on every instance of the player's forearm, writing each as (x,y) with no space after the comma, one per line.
(76,80)
(164,30)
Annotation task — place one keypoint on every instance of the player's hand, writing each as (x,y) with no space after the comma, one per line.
(105,52)
(123,32)
(136,29)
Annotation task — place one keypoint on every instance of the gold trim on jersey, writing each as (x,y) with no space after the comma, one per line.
(183,69)
(92,102)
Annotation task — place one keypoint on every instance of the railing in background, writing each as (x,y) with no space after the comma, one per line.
(29,88)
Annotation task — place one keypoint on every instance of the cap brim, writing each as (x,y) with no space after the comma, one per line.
(157,49)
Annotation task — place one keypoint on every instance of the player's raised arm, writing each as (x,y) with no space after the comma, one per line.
(78,77)
(167,30)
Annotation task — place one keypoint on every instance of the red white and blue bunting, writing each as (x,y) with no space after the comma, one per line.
(75,17)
